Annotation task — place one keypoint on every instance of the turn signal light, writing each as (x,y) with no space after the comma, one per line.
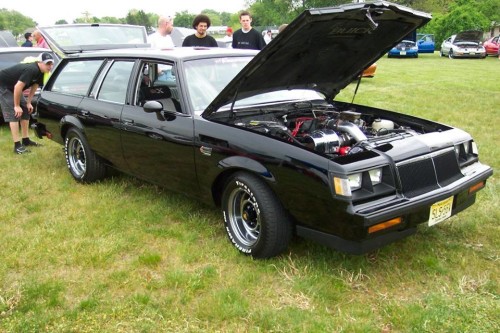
(476,187)
(384,225)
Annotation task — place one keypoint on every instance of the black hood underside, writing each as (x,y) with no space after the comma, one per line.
(323,49)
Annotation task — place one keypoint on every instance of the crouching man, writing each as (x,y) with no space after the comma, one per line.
(16,109)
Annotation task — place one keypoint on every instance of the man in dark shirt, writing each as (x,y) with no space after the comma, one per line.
(15,108)
(28,42)
(247,37)
(200,38)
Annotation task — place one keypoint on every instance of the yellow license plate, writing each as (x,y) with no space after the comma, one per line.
(440,211)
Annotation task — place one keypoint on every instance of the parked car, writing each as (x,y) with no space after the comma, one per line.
(9,56)
(491,46)
(425,43)
(7,39)
(260,135)
(370,71)
(404,49)
(179,34)
(465,44)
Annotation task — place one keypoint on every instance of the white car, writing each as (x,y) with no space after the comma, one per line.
(466,44)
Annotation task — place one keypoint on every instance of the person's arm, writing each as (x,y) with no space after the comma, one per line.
(234,43)
(33,89)
(18,91)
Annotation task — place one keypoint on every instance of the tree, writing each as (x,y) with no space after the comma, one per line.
(14,21)
(184,19)
(61,22)
(139,17)
(463,15)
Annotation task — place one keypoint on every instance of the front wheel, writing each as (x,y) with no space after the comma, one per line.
(254,219)
(83,164)
(450,54)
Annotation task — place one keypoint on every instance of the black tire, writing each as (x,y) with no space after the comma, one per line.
(83,164)
(255,221)
(450,54)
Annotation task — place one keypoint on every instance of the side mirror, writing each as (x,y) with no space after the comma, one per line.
(152,106)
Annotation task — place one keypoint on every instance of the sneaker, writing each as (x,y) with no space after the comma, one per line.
(21,150)
(31,143)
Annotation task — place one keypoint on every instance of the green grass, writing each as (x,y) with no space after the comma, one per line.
(126,256)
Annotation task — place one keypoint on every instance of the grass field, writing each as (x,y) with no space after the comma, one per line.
(126,256)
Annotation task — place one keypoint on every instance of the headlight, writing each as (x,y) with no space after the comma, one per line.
(341,186)
(355,181)
(375,176)
(366,179)
(466,153)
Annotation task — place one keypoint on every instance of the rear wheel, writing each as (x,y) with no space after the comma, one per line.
(255,220)
(83,164)
(450,54)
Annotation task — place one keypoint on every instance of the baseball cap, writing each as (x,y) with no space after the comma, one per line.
(45,57)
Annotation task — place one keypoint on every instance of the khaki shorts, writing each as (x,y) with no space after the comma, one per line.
(7,106)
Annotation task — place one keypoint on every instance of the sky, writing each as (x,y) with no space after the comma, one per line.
(47,13)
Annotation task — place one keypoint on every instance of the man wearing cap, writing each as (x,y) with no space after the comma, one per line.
(200,38)
(228,38)
(15,108)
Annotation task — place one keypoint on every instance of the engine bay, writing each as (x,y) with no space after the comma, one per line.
(330,130)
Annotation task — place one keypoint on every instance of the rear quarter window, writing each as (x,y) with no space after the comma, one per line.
(76,77)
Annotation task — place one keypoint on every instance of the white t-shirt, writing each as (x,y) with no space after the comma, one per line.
(158,41)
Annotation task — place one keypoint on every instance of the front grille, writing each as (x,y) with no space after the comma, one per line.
(429,172)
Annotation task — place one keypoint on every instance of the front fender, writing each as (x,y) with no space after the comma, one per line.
(245,163)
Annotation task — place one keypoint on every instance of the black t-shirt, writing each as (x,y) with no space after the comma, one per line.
(248,40)
(192,40)
(27,73)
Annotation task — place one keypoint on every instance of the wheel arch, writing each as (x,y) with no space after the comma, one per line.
(235,164)
(68,122)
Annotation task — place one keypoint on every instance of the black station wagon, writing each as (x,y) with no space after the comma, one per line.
(260,135)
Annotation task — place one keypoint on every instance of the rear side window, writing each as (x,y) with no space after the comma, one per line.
(114,86)
(76,77)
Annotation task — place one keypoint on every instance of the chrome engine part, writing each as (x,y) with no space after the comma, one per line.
(331,132)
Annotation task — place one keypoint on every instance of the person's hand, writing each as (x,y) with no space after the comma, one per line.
(18,111)
(30,108)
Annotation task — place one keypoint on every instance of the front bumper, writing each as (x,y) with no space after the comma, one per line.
(411,211)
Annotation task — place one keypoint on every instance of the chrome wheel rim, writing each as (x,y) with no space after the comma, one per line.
(76,157)
(244,217)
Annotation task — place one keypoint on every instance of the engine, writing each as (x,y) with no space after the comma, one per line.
(334,133)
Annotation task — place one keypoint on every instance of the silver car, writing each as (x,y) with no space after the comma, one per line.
(466,44)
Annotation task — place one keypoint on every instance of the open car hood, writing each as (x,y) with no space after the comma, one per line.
(468,36)
(323,49)
(66,39)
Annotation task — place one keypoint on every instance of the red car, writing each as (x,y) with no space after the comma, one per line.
(491,46)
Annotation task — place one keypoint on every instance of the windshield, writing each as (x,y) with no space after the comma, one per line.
(72,36)
(207,77)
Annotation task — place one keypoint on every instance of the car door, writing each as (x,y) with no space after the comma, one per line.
(100,111)
(158,146)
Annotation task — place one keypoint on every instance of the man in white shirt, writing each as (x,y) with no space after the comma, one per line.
(161,39)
